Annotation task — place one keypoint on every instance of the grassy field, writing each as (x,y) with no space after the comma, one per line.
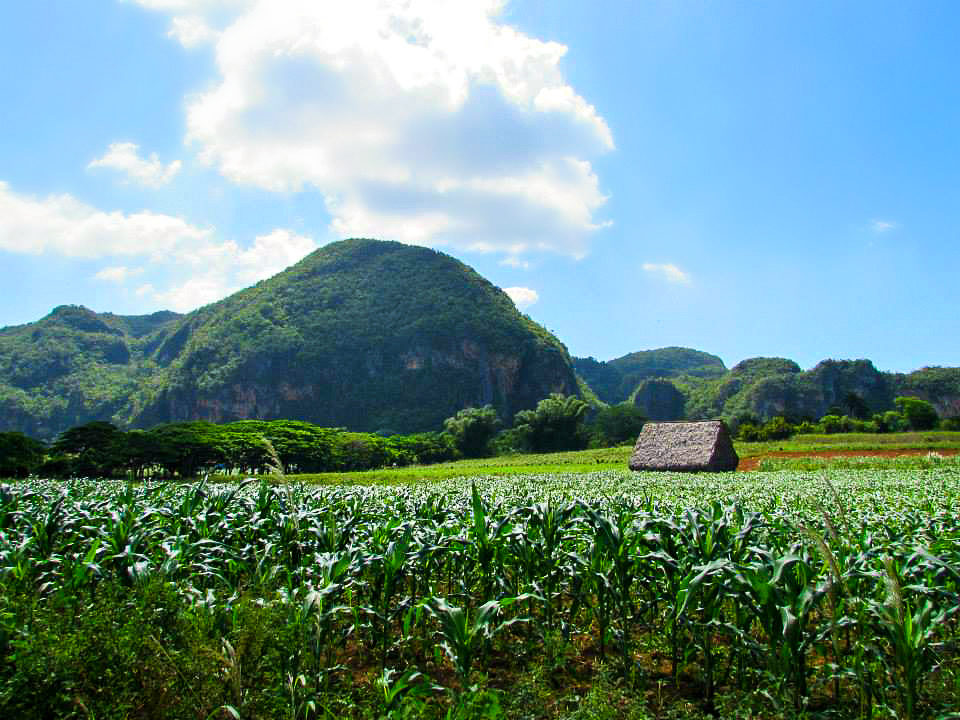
(929,440)
(616,458)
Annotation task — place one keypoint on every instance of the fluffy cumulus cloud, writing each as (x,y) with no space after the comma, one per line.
(124,157)
(670,273)
(426,121)
(522,297)
(189,266)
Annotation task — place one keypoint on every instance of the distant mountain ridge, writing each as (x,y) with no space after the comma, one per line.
(380,336)
(365,334)
(679,383)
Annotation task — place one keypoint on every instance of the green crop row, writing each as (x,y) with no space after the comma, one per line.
(779,594)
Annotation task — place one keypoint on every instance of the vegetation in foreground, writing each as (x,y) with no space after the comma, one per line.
(603,595)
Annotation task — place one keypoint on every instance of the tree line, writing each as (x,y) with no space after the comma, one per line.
(256,447)
(911,414)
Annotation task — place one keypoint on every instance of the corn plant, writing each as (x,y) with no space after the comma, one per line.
(463,632)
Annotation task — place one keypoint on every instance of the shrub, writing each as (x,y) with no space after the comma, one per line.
(919,414)
(831,424)
(777,428)
(617,424)
(950,423)
(556,424)
(472,429)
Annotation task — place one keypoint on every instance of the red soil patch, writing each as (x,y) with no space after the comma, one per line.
(749,464)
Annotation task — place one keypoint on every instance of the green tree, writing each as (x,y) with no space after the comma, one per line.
(856,406)
(188,448)
(472,429)
(617,424)
(556,424)
(19,455)
(919,414)
(93,450)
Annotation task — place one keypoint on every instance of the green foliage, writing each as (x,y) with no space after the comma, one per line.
(919,414)
(195,448)
(360,334)
(835,590)
(472,429)
(776,428)
(556,424)
(616,424)
(19,455)
(94,449)
(616,380)
(660,400)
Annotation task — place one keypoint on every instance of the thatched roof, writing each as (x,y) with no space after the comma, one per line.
(685,446)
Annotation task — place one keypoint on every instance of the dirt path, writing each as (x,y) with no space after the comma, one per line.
(749,464)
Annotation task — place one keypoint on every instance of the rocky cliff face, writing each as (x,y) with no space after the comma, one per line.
(391,392)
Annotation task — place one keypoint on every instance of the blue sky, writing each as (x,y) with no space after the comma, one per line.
(742,178)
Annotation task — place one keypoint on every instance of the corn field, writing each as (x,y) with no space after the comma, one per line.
(778,594)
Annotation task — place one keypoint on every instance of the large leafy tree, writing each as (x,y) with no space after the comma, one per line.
(556,424)
(472,429)
(95,449)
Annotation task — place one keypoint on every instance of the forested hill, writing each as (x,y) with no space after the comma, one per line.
(617,380)
(679,383)
(363,334)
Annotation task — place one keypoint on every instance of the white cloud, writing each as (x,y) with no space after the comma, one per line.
(191,31)
(124,157)
(117,274)
(425,121)
(188,265)
(670,273)
(522,297)
(515,262)
(882,226)
(62,224)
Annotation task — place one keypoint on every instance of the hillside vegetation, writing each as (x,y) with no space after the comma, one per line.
(365,334)
(679,383)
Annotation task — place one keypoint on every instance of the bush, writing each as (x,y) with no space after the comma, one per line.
(950,423)
(556,424)
(919,414)
(776,428)
(831,424)
(617,424)
(472,429)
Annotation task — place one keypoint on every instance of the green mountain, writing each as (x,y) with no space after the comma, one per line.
(679,383)
(618,380)
(364,334)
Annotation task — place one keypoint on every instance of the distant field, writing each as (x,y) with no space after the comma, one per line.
(616,458)
(930,440)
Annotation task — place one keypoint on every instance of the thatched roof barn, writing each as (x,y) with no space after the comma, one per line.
(685,447)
